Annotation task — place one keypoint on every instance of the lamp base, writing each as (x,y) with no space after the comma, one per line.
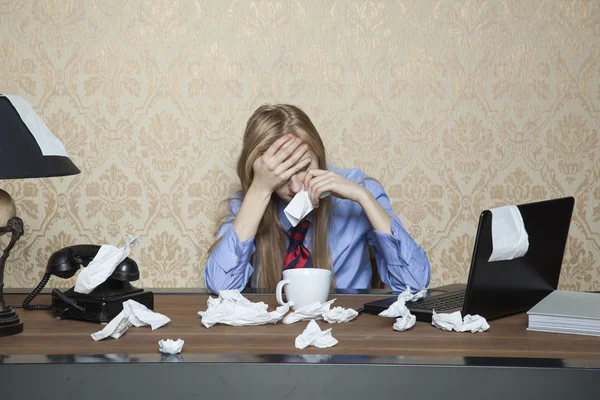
(10,323)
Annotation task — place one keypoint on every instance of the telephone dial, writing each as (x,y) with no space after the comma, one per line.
(101,305)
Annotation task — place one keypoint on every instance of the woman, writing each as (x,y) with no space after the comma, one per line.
(282,153)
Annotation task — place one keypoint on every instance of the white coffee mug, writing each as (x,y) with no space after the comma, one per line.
(304,286)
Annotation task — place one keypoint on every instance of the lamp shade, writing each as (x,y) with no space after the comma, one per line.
(27,147)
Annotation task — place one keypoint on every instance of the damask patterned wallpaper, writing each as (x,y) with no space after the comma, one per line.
(454,105)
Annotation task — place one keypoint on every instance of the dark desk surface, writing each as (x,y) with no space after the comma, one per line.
(366,335)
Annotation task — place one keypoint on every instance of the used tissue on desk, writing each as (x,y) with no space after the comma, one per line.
(103,265)
(339,314)
(231,308)
(405,322)
(454,321)
(509,237)
(311,311)
(133,314)
(314,336)
(169,346)
(300,206)
(398,308)
(404,319)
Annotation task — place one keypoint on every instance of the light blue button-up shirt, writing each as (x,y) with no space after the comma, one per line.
(401,261)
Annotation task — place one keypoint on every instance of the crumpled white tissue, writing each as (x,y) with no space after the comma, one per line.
(300,206)
(231,308)
(338,315)
(314,336)
(133,314)
(103,265)
(311,311)
(404,319)
(454,321)
(169,346)
(405,322)
(396,309)
(410,296)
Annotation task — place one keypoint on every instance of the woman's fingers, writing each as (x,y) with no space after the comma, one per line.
(286,151)
(318,188)
(292,159)
(279,143)
(311,174)
(295,168)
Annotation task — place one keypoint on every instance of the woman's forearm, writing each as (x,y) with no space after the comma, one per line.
(379,218)
(251,212)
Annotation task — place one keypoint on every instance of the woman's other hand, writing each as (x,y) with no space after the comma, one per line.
(279,163)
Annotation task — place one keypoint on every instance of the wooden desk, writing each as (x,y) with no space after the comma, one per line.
(367,334)
(51,348)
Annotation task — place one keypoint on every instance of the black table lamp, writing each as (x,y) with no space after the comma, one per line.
(27,150)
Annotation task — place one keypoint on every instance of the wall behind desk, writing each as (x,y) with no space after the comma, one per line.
(455,106)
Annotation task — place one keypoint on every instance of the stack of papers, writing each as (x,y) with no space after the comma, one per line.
(567,312)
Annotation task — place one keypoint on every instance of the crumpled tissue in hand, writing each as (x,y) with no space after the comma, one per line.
(133,314)
(169,346)
(311,311)
(454,321)
(300,206)
(103,265)
(314,336)
(231,308)
(340,314)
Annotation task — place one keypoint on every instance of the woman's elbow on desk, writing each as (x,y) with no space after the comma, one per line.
(216,279)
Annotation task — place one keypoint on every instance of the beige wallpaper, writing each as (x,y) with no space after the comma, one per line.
(455,106)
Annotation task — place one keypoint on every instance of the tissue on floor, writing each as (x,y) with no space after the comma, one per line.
(102,266)
(133,314)
(231,308)
(314,336)
(509,237)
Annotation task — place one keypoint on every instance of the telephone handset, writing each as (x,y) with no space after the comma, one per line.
(101,305)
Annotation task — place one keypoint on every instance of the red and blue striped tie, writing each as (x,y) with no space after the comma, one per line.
(297,256)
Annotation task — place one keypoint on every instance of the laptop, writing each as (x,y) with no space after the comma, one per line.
(500,288)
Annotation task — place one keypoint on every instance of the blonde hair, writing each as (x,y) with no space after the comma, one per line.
(265,126)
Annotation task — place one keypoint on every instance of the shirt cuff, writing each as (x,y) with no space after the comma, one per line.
(397,248)
(230,251)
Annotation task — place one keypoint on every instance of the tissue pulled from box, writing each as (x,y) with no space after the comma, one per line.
(169,346)
(509,237)
(103,265)
(231,308)
(300,206)
(133,314)
(314,336)
(455,322)
(311,311)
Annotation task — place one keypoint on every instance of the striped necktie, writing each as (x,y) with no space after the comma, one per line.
(297,256)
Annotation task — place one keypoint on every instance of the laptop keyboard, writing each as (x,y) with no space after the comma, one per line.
(441,303)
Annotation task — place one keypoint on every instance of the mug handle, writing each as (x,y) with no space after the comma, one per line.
(279,293)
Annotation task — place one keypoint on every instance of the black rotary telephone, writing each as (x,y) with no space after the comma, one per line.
(101,305)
